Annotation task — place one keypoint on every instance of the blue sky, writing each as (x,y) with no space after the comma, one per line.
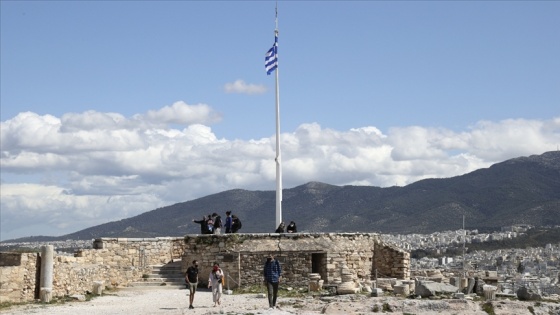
(110,109)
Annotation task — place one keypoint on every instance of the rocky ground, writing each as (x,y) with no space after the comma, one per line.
(172,301)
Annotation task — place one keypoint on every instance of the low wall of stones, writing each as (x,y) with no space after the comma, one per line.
(242,256)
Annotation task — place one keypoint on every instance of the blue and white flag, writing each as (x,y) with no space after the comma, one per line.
(271,58)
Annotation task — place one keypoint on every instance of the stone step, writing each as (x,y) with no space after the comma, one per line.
(159,285)
(168,276)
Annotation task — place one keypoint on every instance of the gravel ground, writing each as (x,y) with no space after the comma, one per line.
(173,301)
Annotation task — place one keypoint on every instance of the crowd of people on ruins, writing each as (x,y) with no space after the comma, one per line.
(213,224)
(272,271)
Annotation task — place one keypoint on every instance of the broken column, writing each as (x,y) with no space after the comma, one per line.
(348,286)
(47,271)
(315,282)
(489,292)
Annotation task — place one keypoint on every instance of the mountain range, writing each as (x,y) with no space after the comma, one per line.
(524,190)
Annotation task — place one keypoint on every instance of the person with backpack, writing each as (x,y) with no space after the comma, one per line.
(217,223)
(235,224)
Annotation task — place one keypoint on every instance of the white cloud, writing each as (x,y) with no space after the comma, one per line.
(240,87)
(93,167)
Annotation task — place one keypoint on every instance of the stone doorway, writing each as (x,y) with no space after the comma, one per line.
(319,264)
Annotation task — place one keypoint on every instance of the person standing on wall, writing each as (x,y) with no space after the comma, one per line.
(235,224)
(228,222)
(203,225)
(191,277)
(272,273)
(216,280)
(217,223)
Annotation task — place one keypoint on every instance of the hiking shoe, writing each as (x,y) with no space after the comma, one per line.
(191,307)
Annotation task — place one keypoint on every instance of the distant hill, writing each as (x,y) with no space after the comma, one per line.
(521,190)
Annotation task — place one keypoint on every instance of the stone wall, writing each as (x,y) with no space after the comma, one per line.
(18,276)
(119,261)
(115,261)
(391,262)
(138,252)
(242,256)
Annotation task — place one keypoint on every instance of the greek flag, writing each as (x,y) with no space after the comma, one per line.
(271,58)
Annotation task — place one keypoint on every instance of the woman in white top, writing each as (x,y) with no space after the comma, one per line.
(215,281)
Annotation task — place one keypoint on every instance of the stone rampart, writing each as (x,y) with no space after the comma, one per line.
(117,262)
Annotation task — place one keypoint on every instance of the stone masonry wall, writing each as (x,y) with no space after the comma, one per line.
(18,276)
(115,261)
(242,256)
(391,262)
(119,261)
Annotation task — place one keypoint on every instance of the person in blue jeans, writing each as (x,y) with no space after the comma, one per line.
(272,273)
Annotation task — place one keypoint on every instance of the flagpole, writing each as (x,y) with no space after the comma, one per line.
(278,155)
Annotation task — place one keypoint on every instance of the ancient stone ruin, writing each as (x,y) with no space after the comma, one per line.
(340,260)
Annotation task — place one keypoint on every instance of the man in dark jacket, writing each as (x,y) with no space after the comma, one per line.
(203,225)
(272,272)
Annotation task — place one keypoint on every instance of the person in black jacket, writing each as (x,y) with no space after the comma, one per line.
(291,227)
(203,225)
(235,224)
(280,228)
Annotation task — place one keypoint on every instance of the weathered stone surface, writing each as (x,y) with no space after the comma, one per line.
(429,288)
(526,294)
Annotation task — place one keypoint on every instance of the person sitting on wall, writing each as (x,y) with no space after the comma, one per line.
(280,228)
(291,227)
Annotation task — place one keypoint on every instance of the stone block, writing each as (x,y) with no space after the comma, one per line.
(97,287)
(376,292)
(401,289)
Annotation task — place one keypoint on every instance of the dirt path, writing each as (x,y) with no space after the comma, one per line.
(154,301)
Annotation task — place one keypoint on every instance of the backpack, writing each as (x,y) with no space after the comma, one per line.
(239,224)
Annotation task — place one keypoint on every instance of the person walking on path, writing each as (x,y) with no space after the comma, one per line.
(191,277)
(215,280)
(272,273)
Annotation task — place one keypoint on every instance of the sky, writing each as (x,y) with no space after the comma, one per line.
(110,109)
